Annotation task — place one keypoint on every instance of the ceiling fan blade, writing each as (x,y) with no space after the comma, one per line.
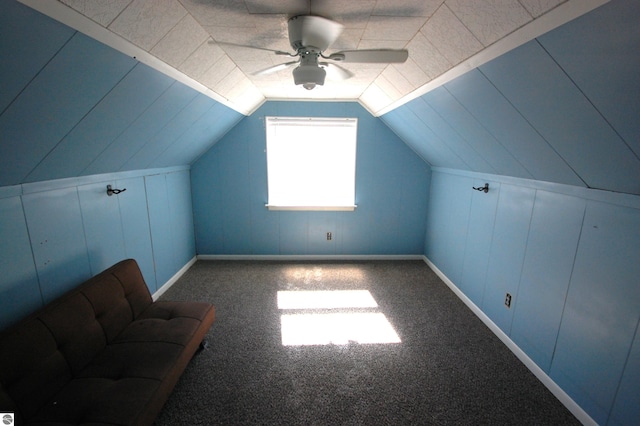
(313,31)
(275,68)
(336,72)
(386,56)
(277,52)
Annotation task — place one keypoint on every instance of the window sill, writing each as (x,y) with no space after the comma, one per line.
(312,208)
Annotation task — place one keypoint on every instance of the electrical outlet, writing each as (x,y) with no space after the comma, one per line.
(507,300)
(329,236)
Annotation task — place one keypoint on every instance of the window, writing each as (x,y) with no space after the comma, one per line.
(311,163)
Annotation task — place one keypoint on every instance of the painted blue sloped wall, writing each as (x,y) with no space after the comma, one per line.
(562,108)
(569,258)
(56,234)
(230,192)
(71,106)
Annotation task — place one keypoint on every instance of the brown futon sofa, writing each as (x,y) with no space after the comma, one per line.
(103,354)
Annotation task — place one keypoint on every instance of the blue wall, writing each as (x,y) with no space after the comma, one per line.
(230,192)
(56,234)
(569,258)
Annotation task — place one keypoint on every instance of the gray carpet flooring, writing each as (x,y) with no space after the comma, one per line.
(448,369)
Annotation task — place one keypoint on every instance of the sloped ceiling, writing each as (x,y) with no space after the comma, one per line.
(71,106)
(197,40)
(562,108)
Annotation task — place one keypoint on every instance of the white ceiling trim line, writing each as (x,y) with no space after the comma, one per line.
(276,99)
(66,15)
(560,15)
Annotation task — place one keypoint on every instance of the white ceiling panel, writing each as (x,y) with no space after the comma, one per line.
(388,88)
(102,12)
(427,57)
(411,72)
(201,60)
(146,23)
(227,85)
(450,37)
(490,20)
(539,7)
(247,94)
(374,98)
(406,8)
(217,72)
(229,13)
(351,14)
(180,42)
(398,80)
(393,27)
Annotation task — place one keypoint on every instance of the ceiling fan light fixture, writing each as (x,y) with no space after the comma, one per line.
(309,76)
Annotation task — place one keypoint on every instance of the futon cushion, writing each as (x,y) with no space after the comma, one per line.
(150,360)
(30,360)
(135,288)
(78,334)
(112,309)
(164,321)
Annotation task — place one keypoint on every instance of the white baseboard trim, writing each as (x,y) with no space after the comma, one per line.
(166,286)
(287,257)
(562,396)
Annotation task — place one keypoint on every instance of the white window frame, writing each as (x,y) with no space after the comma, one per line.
(321,164)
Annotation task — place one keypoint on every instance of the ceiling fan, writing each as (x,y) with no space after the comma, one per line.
(310,36)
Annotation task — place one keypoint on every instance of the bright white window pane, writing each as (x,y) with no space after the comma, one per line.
(311,161)
(337,329)
(330,299)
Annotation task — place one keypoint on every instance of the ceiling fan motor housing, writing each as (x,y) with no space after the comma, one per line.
(312,32)
(295,32)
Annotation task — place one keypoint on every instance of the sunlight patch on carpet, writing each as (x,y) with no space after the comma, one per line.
(316,274)
(336,329)
(325,326)
(326,299)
